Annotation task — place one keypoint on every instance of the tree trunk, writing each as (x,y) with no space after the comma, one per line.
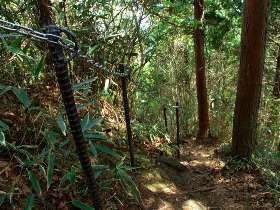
(45,13)
(250,77)
(203,115)
(45,17)
(276,88)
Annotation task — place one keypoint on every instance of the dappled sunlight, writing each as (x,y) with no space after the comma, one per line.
(203,185)
(158,184)
(197,163)
(204,155)
(152,175)
(162,187)
(193,205)
(139,105)
(166,206)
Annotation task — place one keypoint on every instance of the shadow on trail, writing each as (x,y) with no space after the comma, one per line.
(164,187)
(170,189)
(203,185)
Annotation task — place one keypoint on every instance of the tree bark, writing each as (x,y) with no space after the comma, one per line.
(45,13)
(253,37)
(45,17)
(202,98)
(276,88)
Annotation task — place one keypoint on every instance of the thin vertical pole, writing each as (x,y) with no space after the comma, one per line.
(178,128)
(165,119)
(126,114)
(60,66)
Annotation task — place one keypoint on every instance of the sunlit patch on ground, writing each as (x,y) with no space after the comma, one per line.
(162,187)
(152,175)
(201,186)
(166,206)
(157,184)
(193,205)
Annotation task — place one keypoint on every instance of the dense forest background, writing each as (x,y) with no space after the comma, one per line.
(184,55)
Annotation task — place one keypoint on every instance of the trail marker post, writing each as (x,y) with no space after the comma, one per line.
(66,90)
(177,128)
(165,119)
(126,112)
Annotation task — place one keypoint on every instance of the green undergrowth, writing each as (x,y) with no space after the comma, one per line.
(46,168)
(266,161)
(168,149)
(269,163)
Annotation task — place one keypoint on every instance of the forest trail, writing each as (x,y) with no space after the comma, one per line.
(205,184)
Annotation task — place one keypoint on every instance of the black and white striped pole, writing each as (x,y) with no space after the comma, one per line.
(165,118)
(126,113)
(177,127)
(66,90)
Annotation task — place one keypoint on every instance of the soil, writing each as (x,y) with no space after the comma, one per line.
(205,184)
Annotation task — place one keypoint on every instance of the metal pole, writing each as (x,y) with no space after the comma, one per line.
(178,128)
(126,113)
(165,119)
(66,90)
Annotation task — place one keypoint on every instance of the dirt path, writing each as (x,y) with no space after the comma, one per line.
(205,184)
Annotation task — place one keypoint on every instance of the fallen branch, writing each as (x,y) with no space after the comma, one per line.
(203,190)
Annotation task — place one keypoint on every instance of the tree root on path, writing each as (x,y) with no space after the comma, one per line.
(203,190)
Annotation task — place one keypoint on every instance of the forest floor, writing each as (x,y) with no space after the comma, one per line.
(206,183)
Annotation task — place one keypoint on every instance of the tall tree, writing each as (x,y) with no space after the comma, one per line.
(202,98)
(45,17)
(248,96)
(45,13)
